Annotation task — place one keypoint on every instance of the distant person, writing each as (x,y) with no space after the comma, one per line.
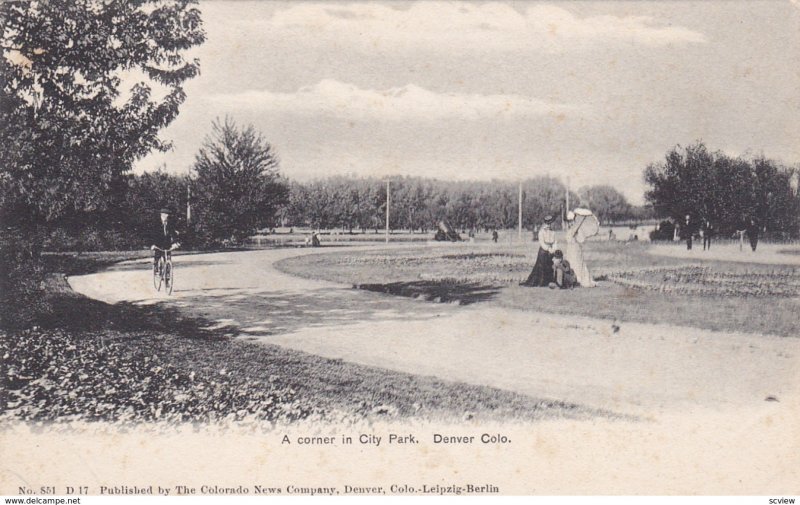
(563,274)
(542,273)
(752,234)
(740,234)
(707,230)
(611,236)
(164,236)
(495,236)
(315,239)
(687,231)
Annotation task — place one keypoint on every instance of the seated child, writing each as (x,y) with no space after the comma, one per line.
(562,273)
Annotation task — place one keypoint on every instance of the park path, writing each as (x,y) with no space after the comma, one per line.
(639,369)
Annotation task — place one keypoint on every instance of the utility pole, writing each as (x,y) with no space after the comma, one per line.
(388,200)
(567,208)
(188,203)
(519,213)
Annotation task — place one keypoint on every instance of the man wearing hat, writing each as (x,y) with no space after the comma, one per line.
(164,237)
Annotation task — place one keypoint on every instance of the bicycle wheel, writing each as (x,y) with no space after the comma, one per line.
(158,274)
(168,277)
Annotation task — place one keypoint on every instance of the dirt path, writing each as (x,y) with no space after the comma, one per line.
(639,369)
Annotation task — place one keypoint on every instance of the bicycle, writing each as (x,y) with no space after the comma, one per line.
(164,272)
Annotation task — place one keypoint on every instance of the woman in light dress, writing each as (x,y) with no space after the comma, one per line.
(575,252)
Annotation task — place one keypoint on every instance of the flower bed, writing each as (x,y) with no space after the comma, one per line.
(470,261)
(704,280)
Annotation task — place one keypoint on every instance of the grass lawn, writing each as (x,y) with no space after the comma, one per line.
(490,274)
(87,360)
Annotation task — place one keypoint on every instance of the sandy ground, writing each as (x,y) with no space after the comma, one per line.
(700,397)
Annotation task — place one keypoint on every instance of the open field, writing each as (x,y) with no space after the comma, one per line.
(708,294)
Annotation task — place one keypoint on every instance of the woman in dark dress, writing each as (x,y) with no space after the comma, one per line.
(542,273)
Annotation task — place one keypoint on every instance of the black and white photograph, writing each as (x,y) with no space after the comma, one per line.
(399,248)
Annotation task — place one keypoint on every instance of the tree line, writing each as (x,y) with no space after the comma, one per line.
(235,188)
(213,207)
(418,203)
(731,193)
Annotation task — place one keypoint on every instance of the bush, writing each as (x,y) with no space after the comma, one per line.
(21,281)
(664,231)
(92,239)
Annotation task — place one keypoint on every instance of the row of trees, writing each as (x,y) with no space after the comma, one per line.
(230,199)
(729,192)
(419,203)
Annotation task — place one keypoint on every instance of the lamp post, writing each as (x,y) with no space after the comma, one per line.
(519,213)
(388,201)
(188,202)
(566,209)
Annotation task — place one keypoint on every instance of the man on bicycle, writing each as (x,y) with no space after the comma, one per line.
(165,236)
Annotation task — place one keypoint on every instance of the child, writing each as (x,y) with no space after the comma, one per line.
(563,274)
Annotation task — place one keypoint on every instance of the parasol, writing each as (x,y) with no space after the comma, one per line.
(586,224)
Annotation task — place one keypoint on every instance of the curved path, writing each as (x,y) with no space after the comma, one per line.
(641,369)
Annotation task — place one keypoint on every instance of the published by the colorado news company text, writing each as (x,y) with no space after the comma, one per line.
(441,489)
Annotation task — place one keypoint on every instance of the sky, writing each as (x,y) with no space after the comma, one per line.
(590,91)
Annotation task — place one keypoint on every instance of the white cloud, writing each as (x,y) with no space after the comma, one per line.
(333,98)
(472,25)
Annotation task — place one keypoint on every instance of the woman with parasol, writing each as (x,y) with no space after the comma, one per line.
(581,224)
(542,273)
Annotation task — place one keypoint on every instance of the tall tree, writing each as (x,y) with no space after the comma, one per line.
(541,196)
(730,192)
(87,86)
(237,184)
(608,204)
(681,185)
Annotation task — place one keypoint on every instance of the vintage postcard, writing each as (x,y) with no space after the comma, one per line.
(427,248)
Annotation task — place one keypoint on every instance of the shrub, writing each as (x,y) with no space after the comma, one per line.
(21,278)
